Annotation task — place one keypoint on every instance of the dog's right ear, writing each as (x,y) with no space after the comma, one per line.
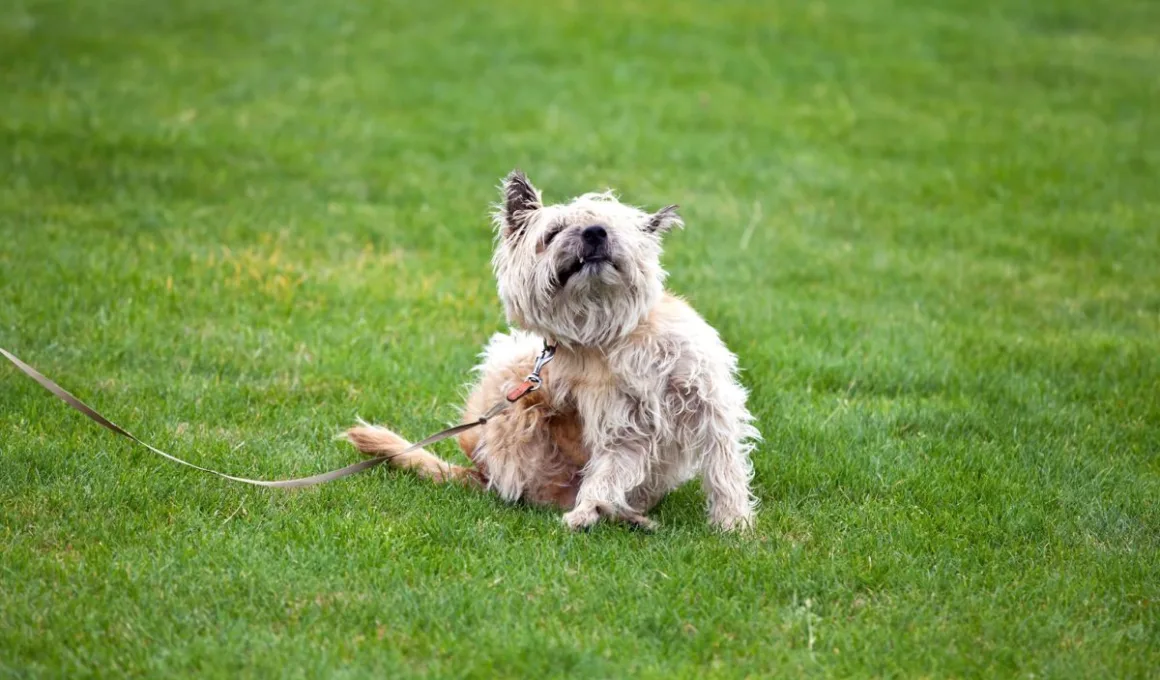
(663,220)
(520,200)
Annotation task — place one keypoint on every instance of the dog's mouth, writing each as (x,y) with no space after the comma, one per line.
(591,263)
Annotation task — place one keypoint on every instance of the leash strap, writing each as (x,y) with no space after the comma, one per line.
(531,384)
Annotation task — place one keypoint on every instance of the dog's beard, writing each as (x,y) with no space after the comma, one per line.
(593,302)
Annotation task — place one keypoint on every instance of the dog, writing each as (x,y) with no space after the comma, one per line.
(642,394)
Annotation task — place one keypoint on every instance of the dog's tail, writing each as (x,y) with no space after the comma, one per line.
(372,440)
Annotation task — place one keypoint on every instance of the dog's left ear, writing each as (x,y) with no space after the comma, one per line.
(520,199)
(663,220)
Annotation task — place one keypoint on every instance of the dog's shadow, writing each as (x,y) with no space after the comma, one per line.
(683,509)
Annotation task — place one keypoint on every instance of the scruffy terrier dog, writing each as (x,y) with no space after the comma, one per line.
(642,393)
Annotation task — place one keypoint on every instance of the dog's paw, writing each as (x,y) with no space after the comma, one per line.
(733,522)
(582,517)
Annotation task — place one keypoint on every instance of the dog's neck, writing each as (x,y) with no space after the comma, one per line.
(577,354)
(581,355)
(581,358)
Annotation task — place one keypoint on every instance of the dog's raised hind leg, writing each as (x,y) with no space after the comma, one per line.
(379,441)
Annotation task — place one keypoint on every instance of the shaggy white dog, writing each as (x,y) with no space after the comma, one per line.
(642,393)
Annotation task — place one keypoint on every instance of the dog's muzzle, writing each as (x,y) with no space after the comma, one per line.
(595,252)
(594,243)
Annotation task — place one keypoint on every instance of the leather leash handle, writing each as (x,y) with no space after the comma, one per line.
(298,483)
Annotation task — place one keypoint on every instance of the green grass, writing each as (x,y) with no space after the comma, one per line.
(931,231)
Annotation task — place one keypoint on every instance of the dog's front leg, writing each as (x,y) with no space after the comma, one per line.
(725,474)
(612,471)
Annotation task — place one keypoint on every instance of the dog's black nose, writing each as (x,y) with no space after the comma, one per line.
(594,236)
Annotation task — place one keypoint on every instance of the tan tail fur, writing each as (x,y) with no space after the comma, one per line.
(372,440)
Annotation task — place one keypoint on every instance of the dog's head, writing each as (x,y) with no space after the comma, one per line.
(584,272)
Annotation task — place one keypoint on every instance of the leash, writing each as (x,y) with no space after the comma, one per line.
(529,385)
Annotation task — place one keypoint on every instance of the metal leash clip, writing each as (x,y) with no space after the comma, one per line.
(546,356)
(533,381)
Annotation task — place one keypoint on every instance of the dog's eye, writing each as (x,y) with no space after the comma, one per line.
(552,233)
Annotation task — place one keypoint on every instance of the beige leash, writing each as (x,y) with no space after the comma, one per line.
(531,384)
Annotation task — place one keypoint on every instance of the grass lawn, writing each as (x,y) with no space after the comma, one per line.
(931,231)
